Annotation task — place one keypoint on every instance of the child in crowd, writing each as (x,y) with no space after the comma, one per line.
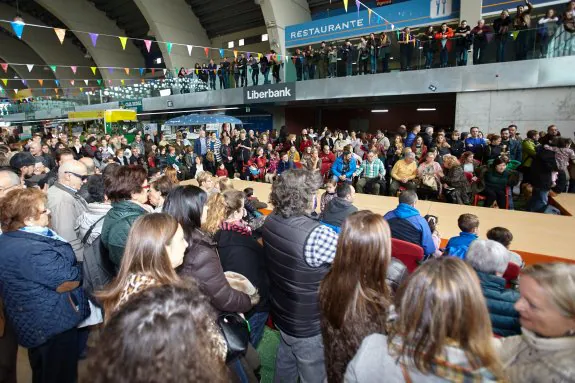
(272,167)
(221,172)
(504,237)
(458,246)
(284,164)
(329,194)
(256,203)
(254,172)
(432,221)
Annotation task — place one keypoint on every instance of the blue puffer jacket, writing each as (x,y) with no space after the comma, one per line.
(31,269)
(458,246)
(337,167)
(410,222)
(500,301)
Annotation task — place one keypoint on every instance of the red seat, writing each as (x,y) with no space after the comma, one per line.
(479,197)
(409,253)
(511,273)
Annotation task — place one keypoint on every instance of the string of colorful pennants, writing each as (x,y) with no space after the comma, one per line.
(370,11)
(18,28)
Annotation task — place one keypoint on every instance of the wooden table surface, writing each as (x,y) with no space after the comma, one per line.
(537,237)
(565,202)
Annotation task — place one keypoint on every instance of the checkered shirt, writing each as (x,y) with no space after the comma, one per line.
(320,246)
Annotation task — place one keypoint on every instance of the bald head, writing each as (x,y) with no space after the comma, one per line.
(90,165)
(35,148)
(8,181)
(72,174)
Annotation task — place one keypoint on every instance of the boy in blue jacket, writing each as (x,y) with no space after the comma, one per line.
(458,246)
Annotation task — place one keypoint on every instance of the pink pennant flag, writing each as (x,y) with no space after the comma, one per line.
(74,68)
(110,82)
(61,33)
(148,44)
(94,37)
(5,67)
(190,49)
(72,82)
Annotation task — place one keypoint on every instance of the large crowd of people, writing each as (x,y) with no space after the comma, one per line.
(105,256)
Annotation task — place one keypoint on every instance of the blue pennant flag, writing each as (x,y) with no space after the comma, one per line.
(18,28)
(222,52)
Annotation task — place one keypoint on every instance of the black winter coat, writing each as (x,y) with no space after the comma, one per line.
(242,254)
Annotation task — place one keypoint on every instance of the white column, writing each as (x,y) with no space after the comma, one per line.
(470,11)
(278,14)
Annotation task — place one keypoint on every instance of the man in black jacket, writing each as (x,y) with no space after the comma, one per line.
(543,166)
(340,207)
(243,65)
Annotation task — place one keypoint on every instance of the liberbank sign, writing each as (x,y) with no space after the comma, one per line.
(411,13)
(269,93)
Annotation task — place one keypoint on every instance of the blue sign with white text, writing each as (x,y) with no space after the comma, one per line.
(352,24)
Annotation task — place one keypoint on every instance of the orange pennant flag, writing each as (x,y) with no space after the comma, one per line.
(236,54)
(41,82)
(127,70)
(56,90)
(61,33)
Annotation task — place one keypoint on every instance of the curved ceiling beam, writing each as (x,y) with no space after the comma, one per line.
(278,14)
(48,48)
(82,15)
(14,50)
(174,21)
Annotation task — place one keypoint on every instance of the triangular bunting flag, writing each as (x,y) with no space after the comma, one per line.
(93,70)
(392,27)
(345,4)
(53,67)
(41,82)
(110,70)
(207,51)
(15,91)
(110,82)
(189,49)
(236,54)
(122,81)
(72,82)
(25,82)
(86,82)
(99,82)
(74,69)
(18,28)
(369,15)
(56,90)
(142,71)
(169,48)
(57,82)
(61,33)
(127,70)
(148,44)
(165,71)
(222,52)
(5,81)
(43,90)
(81,89)
(30,67)
(515,34)
(123,40)
(153,71)
(94,38)
(5,67)
(357,4)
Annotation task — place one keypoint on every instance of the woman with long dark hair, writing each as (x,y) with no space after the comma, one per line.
(187,204)
(355,295)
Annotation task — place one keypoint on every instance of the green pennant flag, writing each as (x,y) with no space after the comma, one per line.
(515,34)
(53,67)
(169,47)
(99,82)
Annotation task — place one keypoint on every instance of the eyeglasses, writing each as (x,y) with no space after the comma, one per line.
(80,176)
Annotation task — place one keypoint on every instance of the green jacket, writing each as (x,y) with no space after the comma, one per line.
(496,180)
(528,148)
(117,226)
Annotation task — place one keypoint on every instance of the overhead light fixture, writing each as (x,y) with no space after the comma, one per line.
(241,42)
(189,111)
(426,109)
(230,44)
(159,60)
(265,37)
(379,111)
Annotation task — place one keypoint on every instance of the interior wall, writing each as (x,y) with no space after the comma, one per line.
(298,118)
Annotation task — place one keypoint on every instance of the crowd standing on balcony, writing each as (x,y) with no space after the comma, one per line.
(326,274)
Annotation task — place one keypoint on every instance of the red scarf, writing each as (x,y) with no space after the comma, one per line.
(238,227)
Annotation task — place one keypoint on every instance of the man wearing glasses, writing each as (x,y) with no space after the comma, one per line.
(66,205)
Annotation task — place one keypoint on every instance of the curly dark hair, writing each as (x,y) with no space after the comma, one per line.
(293,192)
(163,334)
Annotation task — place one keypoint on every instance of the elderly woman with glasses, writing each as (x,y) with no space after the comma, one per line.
(41,287)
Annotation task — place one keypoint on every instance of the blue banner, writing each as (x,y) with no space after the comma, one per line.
(413,13)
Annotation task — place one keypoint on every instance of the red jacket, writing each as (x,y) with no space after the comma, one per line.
(304,144)
(440,36)
(221,173)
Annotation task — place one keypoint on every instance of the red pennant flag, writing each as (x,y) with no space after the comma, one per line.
(207,51)
(153,71)
(5,67)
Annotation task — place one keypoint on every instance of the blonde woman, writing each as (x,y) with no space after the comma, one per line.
(456,187)
(545,350)
(442,331)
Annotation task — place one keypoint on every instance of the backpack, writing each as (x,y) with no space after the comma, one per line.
(97,267)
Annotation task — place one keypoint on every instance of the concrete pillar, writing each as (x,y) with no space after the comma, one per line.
(82,15)
(278,14)
(48,51)
(470,11)
(174,21)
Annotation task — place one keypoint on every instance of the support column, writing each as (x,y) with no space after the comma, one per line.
(278,14)
(470,11)
(174,21)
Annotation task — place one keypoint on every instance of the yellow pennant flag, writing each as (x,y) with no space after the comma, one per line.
(81,89)
(236,54)
(5,81)
(41,82)
(369,15)
(93,69)
(127,70)
(515,34)
(61,33)
(345,4)
(122,81)
(123,40)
